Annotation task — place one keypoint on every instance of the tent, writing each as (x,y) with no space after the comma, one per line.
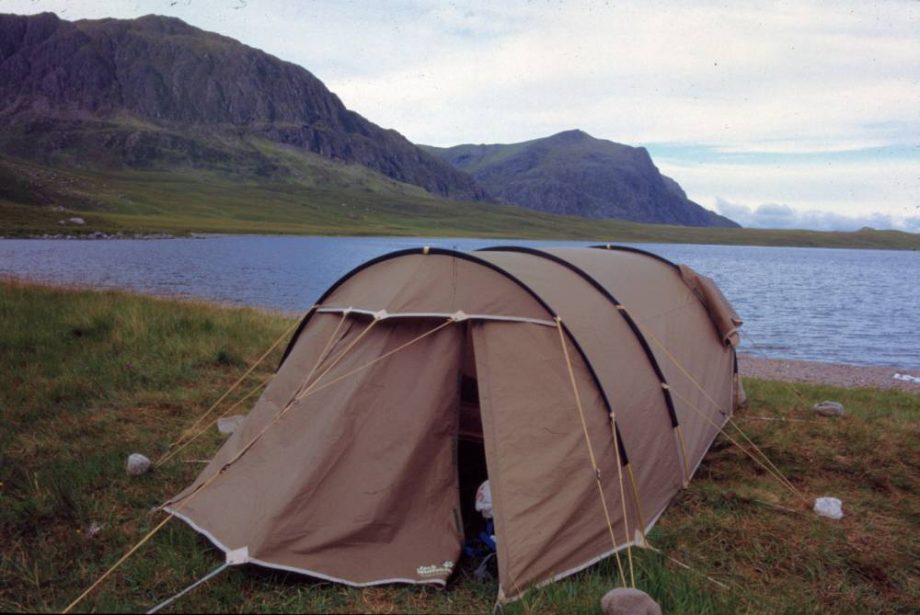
(586,383)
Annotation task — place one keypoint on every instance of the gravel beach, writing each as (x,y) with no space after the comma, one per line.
(836,374)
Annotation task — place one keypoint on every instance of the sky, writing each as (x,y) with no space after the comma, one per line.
(777,114)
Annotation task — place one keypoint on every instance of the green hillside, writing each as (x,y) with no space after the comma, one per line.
(323,197)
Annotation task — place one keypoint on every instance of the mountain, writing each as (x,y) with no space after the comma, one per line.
(154,93)
(573,173)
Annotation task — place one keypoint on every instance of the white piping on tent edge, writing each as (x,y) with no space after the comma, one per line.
(383,315)
(312,573)
(637,541)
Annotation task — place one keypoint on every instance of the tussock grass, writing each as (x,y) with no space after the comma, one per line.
(88,377)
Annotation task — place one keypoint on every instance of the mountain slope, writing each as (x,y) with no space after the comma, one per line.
(154,93)
(573,173)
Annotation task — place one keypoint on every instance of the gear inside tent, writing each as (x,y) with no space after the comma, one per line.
(585,384)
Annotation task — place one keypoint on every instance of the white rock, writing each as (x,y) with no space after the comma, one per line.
(832,508)
(829,408)
(629,601)
(76,220)
(228,424)
(137,464)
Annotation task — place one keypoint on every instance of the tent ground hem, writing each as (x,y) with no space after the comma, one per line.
(304,571)
(558,577)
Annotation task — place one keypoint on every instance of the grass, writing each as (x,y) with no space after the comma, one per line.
(320,197)
(88,377)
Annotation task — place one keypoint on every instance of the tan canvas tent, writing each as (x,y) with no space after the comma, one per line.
(591,381)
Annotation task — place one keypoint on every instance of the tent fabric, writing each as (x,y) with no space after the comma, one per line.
(346,467)
(548,516)
(688,348)
(634,391)
(723,315)
(341,502)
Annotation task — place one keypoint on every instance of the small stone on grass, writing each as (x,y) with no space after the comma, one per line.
(829,408)
(629,601)
(832,508)
(137,464)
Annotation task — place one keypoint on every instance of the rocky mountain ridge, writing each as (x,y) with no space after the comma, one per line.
(572,173)
(156,91)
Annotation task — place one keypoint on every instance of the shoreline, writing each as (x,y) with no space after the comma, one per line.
(101,236)
(214,303)
(440,234)
(833,374)
(749,366)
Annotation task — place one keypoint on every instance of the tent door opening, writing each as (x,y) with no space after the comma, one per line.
(470,451)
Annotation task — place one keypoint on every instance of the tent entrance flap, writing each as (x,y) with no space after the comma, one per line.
(549,521)
(471,456)
(470,414)
(366,490)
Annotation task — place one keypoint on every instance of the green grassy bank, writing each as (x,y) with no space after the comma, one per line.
(324,198)
(88,377)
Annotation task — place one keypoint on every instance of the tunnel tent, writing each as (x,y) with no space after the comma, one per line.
(587,384)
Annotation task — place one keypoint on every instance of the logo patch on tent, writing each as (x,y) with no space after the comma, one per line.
(434,569)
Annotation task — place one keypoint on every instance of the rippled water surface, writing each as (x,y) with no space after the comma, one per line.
(849,306)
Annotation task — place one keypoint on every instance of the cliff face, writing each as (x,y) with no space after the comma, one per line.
(154,91)
(575,174)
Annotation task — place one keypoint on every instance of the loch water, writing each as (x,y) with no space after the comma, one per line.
(848,306)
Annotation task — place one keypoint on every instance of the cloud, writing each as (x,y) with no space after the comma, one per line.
(775,215)
(860,187)
(649,72)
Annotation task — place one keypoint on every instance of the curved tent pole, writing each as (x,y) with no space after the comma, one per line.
(624,457)
(657,257)
(669,402)
(634,327)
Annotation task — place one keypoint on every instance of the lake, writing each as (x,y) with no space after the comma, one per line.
(847,306)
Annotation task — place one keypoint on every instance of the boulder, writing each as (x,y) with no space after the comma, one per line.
(629,601)
(76,220)
(829,408)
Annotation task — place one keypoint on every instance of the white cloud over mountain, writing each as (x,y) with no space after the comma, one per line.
(774,215)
